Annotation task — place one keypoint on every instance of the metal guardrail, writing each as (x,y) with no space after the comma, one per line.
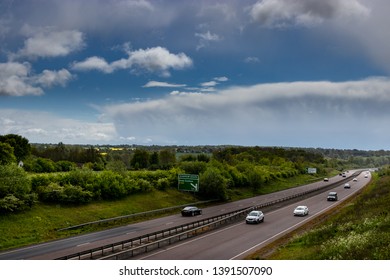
(131,252)
(162,210)
(145,239)
(145,243)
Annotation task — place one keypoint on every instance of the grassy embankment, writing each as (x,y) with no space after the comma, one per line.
(40,224)
(359,230)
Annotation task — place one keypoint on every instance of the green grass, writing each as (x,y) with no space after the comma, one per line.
(41,223)
(361,230)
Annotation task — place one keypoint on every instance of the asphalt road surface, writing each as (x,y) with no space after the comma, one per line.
(230,242)
(241,239)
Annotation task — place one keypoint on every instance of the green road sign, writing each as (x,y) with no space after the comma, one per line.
(188,182)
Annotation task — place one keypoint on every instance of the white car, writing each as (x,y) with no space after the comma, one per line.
(347,186)
(301,211)
(354,179)
(254,217)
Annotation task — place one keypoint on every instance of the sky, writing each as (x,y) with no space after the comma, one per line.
(285,73)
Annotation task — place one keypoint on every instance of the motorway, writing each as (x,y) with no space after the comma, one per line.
(239,238)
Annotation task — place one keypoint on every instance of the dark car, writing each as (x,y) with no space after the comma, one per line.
(191,211)
(332,196)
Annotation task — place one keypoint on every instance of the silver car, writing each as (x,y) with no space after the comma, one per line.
(301,211)
(254,217)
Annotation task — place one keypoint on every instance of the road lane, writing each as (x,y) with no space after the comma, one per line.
(67,246)
(239,240)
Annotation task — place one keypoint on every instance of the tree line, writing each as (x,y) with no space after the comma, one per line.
(73,174)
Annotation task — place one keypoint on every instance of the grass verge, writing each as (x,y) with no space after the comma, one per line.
(40,224)
(357,230)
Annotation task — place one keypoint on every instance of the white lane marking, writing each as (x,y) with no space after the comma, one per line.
(170,223)
(192,240)
(303,221)
(239,224)
(83,244)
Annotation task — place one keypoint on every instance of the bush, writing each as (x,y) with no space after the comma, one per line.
(13,181)
(10,203)
(39,180)
(76,195)
(214,185)
(144,186)
(111,185)
(15,189)
(162,184)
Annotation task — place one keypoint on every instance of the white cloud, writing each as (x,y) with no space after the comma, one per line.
(205,38)
(49,43)
(298,113)
(284,13)
(15,80)
(162,84)
(209,84)
(43,127)
(208,36)
(93,63)
(221,79)
(252,59)
(154,60)
(183,93)
(50,78)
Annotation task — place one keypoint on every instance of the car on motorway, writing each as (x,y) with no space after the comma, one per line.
(332,196)
(301,210)
(326,179)
(254,217)
(366,176)
(347,186)
(191,211)
(354,179)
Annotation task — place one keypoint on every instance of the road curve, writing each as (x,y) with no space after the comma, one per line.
(239,240)
(67,246)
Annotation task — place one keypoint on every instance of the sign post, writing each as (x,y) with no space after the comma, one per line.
(311,170)
(188,182)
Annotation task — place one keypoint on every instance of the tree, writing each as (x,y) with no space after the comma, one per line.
(15,189)
(167,158)
(213,184)
(140,159)
(6,154)
(22,148)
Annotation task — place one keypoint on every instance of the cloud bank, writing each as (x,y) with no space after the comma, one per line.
(285,13)
(263,114)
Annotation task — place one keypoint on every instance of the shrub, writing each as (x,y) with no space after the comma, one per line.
(214,185)
(162,184)
(144,186)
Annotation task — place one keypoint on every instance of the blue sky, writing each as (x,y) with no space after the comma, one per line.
(302,73)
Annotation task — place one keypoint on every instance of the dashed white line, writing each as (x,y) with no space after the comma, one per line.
(83,244)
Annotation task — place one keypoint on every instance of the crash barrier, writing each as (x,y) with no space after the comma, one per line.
(119,218)
(146,238)
(148,242)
